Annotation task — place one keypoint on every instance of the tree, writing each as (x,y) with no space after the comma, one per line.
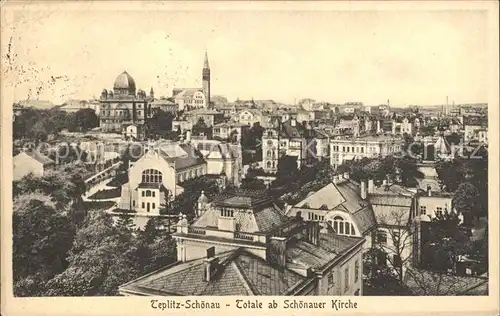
(201,128)
(465,201)
(287,170)
(86,119)
(253,183)
(160,124)
(42,237)
(442,241)
(99,260)
(397,240)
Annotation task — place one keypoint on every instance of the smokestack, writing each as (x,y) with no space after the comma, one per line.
(429,193)
(363,190)
(371,186)
(211,263)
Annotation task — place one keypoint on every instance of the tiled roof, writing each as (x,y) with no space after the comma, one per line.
(183,155)
(269,218)
(264,217)
(365,218)
(422,282)
(287,130)
(242,198)
(345,197)
(239,273)
(394,200)
(329,248)
(41,158)
(329,195)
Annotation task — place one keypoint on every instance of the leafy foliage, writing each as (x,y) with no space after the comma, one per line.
(42,237)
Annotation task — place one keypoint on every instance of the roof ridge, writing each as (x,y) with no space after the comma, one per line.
(242,277)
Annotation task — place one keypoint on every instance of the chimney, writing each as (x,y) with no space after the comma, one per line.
(293,122)
(313,232)
(429,193)
(371,187)
(211,264)
(363,190)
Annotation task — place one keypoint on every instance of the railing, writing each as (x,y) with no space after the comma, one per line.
(197,231)
(239,235)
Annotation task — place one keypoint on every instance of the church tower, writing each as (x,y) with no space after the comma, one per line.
(206,80)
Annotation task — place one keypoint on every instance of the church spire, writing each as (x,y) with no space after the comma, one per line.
(205,63)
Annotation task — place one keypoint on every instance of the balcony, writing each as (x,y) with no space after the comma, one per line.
(244,236)
(197,231)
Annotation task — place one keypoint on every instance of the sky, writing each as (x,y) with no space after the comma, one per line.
(408,57)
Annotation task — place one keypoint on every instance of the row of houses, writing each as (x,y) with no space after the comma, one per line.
(243,242)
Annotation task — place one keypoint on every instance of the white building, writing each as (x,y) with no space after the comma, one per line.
(155,177)
(31,161)
(344,148)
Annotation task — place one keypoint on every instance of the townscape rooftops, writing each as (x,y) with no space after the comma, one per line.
(182,156)
(239,273)
(475,120)
(330,247)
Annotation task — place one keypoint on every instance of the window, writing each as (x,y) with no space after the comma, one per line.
(143,205)
(310,216)
(362,150)
(381,237)
(268,164)
(148,192)
(143,193)
(226,213)
(356,271)
(153,206)
(331,280)
(133,203)
(153,193)
(439,211)
(423,210)
(269,154)
(151,176)
(346,279)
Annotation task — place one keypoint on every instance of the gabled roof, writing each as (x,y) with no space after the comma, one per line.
(344,197)
(239,273)
(180,155)
(35,154)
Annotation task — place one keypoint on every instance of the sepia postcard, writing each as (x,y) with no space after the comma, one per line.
(239,157)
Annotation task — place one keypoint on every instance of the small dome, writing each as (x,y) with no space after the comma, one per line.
(124,82)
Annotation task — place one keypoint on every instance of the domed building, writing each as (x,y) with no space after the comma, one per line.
(124,109)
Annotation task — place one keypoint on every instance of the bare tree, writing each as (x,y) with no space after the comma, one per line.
(431,283)
(394,238)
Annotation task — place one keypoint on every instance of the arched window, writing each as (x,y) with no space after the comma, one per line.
(342,226)
(269,143)
(269,154)
(148,192)
(268,164)
(338,224)
(151,176)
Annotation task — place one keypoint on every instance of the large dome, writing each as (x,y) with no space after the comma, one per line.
(124,82)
